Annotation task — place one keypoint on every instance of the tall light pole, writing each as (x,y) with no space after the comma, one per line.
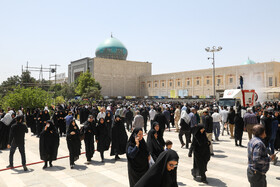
(213,50)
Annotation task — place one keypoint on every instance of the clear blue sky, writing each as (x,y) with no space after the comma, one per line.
(170,34)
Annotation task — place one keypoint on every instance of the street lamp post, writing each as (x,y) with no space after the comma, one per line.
(213,50)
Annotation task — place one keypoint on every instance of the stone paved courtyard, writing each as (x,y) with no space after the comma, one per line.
(226,168)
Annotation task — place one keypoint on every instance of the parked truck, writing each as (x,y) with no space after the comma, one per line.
(237,97)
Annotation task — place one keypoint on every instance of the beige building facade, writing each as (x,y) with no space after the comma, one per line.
(199,83)
(116,77)
(120,77)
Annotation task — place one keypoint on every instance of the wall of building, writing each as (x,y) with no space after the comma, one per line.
(77,67)
(120,77)
(259,76)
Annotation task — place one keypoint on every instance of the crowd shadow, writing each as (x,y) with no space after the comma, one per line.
(21,171)
(80,167)
(55,168)
(97,163)
(216,182)
(218,151)
(219,156)
(181,184)
(211,182)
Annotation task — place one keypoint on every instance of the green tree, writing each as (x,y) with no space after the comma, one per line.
(68,91)
(56,90)
(59,100)
(92,92)
(26,80)
(27,98)
(86,81)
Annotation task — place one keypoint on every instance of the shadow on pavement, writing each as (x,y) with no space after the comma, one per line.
(219,151)
(216,182)
(55,168)
(97,163)
(220,156)
(21,171)
(181,184)
(80,167)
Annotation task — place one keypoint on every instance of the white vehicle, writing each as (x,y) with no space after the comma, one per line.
(236,97)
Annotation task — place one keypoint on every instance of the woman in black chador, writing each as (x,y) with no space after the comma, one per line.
(163,173)
(239,126)
(200,148)
(49,142)
(30,122)
(46,117)
(137,156)
(102,138)
(39,123)
(160,139)
(153,144)
(73,142)
(108,121)
(61,122)
(119,138)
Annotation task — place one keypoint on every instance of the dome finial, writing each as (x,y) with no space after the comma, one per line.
(111,35)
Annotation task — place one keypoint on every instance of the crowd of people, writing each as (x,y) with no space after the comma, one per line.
(152,161)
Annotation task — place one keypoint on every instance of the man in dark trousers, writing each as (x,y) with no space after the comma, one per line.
(208,125)
(145,113)
(128,118)
(16,139)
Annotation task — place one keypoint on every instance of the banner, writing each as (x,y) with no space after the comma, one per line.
(172,93)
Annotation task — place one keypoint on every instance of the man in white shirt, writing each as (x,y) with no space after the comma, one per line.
(152,114)
(101,114)
(138,121)
(217,118)
(224,114)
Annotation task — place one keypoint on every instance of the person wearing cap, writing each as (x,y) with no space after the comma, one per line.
(250,120)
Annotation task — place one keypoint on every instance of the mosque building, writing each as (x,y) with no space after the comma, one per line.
(120,77)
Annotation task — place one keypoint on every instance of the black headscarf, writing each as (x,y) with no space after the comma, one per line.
(49,143)
(119,137)
(138,165)
(154,124)
(142,144)
(158,175)
(153,144)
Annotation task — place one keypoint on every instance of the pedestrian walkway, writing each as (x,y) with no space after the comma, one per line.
(226,168)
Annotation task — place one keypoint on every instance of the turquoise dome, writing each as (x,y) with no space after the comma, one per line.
(111,48)
(249,61)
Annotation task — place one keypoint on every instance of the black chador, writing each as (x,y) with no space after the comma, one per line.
(39,123)
(89,129)
(238,130)
(119,138)
(158,175)
(153,144)
(61,123)
(73,142)
(49,142)
(102,138)
(137,158)
(200,148)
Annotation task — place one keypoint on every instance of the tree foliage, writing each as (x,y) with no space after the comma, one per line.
(59,100)
(92,92)
(85,81)
(26,98)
